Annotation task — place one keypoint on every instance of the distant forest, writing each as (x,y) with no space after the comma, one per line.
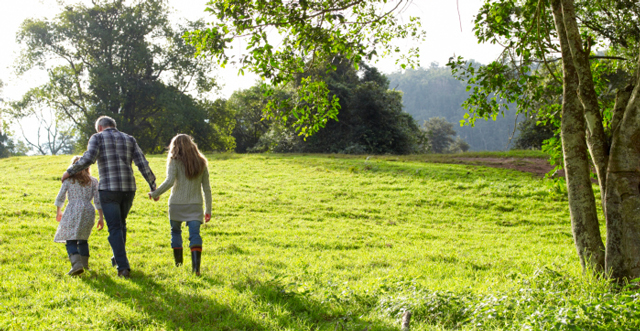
(434,92)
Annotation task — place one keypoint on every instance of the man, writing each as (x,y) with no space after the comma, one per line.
(114,152)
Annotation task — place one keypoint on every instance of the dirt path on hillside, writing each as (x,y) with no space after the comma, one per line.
(536,166)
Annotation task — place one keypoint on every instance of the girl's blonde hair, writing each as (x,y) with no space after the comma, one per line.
(83,177)
(184,149)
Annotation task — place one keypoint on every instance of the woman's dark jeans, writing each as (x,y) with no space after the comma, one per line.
(115,207)
(78,247)
(194,234)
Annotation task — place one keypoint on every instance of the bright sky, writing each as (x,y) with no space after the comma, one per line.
(439,18)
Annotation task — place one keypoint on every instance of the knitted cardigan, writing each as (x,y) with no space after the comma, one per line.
(185,191)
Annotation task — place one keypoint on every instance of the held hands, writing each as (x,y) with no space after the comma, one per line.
(152,198)
(207,218)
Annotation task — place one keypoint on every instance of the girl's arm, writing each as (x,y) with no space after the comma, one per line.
(101,220)
(60,199)
(206,188)
(168,182)
(96,194)
(96,202)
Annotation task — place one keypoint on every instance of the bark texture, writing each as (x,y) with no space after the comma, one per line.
(596,138)
(582,207)
(623,193)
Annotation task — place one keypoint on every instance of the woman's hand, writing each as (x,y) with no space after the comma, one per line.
(58,216)
(100,224)
(207,218)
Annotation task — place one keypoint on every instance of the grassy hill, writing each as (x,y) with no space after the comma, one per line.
(311,243)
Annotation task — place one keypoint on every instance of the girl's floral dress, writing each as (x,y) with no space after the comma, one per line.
(79,216)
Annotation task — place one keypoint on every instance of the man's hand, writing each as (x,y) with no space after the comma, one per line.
(65,175)
(207,218)
(100,224)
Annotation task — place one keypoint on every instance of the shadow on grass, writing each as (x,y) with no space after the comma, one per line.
(271,306)
(167,307)
(293,309)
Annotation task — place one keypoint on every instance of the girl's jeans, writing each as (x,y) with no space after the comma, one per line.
(194,234)
(78,247)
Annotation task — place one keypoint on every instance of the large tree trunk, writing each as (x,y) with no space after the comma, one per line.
(596,139)
(582,207)
(622,198)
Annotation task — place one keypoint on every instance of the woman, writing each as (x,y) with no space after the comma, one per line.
(188,174)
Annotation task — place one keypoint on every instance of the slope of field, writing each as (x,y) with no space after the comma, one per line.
(295,243)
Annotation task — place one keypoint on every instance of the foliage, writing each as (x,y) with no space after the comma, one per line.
(434,92)
(5,149)
(440,134)
(532,133)
(451,242)
(528,73)
(250,121)
(125,61)
(10,146)
(371,119)
(311,34)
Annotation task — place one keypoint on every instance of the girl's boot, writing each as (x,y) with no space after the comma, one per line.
(177,256)
(196,257)
(85,262)
(76,265)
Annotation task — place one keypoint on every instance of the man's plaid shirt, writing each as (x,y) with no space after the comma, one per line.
(114,152)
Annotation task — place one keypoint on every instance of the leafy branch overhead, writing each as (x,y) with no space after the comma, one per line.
(287,41)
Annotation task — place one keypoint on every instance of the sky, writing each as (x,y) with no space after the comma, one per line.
(439,19)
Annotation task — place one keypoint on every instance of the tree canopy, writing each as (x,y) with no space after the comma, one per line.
(125,61)
(286,41)
(371,119)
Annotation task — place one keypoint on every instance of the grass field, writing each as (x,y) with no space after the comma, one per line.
(313,243)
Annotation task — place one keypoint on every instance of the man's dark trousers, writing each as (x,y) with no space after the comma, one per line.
(116,206)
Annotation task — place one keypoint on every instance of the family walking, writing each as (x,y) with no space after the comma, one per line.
(113,196)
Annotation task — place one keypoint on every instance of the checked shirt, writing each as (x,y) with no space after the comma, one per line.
(114,152)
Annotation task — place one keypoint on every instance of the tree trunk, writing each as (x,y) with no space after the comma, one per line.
(582,206)
(622,198)
(596,139)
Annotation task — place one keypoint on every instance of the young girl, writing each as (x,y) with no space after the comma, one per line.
(78,218)
(187,173)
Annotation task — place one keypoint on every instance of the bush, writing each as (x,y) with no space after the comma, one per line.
(440,135)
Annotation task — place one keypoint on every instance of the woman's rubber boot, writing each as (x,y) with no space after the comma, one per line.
(76,265)
(196,257)
(85,262)
(177,256)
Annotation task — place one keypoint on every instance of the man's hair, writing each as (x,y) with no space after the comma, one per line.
(105,122)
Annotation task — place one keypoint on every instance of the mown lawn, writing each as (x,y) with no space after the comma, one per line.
(304,243)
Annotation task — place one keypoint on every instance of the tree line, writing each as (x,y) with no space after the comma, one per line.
(130,62)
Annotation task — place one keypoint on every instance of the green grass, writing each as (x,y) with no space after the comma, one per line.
(304,243)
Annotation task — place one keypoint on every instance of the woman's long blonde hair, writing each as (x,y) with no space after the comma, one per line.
(184,149)
(83,177)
